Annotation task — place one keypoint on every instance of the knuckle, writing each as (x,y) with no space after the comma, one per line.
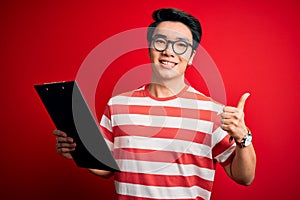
(235,123)
(64,150)
(64,145)
(231,127)
(236,116)
(61,139)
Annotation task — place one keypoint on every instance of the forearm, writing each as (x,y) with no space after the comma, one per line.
(102,173)
(242,167)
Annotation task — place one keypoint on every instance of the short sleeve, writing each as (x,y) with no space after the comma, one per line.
(223,150)
(106,127)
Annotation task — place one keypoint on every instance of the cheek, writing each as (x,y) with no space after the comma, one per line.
(187,56)
(153,55)
(184,60)
(182,67)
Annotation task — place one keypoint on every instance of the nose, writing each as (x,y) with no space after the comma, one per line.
(169,50)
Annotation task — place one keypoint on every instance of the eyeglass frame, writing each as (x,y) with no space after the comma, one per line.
(172,42)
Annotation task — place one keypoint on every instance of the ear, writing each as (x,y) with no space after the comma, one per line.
(192,57)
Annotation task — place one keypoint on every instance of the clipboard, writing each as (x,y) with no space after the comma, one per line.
(70,113)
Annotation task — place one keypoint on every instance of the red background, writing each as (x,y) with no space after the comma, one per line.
(255,45)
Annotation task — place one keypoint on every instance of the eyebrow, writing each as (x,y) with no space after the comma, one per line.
(164,36)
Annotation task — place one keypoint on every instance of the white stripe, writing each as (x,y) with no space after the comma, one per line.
(218,135)
(159,192)
(178,103)
(162,121)
(165,168)
(217,106)
(105,122)
(225,155)
(163,144)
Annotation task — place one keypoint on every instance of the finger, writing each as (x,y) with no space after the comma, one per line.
(229,128)
(242,101)
(59,133)
(230,109)
(65,145)
(67,155)
(225,127)
(69,139)
(64,139)
(228,122)
(65,150)
(227,115)
(225,122)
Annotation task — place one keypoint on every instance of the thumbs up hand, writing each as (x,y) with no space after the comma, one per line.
(233,119)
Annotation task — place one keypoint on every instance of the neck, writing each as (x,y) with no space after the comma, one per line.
(164,89)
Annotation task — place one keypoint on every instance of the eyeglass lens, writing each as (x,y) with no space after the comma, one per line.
(179,46)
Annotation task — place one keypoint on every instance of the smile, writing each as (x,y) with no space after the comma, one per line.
(168,64)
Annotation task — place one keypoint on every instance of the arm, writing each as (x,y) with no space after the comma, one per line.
(242,167)
(102,173)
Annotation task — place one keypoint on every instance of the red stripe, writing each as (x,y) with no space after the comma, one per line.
(134,93)
(163,111)
(183,94)
(106,134)
(164,156)
(107,112)
(163,180)
(127,197)
(221,146)
(159,132)
(195,96)
(216,119)
(228,160)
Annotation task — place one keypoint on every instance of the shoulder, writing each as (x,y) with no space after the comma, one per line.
(127,96)
(203,101)
(193,93)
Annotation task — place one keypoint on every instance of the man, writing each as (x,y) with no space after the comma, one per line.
(166,136)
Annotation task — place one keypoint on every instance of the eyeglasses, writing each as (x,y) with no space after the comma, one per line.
(179,46)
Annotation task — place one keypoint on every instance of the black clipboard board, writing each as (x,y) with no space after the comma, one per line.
(69,112)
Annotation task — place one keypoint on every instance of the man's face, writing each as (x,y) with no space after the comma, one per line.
(170,63)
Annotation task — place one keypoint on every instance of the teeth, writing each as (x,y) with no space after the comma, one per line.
(167,63)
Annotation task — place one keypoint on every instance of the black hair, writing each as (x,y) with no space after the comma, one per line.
(173,14)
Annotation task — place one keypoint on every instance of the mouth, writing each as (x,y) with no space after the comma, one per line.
(167,64)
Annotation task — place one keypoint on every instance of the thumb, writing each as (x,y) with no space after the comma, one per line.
(242,101)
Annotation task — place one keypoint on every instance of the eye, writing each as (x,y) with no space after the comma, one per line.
(181,44)
(160,41)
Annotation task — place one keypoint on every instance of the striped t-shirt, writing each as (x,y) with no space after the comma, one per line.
(166,148)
